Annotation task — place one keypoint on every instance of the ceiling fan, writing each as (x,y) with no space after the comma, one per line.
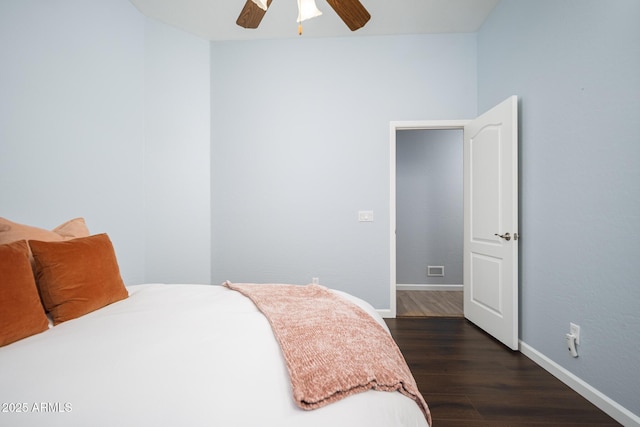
(352,12)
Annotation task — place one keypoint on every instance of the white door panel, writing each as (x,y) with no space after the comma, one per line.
(491,199)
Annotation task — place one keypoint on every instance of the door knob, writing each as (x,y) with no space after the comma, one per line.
(505,236)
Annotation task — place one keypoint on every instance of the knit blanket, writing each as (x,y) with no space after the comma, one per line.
(332,347)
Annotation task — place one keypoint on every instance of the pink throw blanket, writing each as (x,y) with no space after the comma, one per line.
(332,347)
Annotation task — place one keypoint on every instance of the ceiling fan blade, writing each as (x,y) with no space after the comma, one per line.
(251,14)
(352,12)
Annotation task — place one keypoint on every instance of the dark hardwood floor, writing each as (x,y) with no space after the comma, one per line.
(469,379)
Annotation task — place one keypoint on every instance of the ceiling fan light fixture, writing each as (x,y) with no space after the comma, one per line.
(307,9)
(352,12)
(262,4)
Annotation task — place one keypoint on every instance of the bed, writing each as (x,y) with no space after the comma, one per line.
(172,354)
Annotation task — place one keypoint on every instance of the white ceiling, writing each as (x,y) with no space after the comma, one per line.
(216,19)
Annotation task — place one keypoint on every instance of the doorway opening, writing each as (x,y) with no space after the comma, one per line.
(427,218)
(490,187)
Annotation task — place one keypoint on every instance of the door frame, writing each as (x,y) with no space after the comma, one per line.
(395,126)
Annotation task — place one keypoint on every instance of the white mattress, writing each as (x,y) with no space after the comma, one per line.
(169,355)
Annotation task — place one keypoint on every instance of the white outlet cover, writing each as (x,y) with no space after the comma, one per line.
(575,331)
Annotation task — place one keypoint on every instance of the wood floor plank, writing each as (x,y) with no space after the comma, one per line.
(429,303)
(469,379)
(451,406)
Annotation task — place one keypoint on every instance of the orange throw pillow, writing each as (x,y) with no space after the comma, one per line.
(12,231)
(21,313)
(77,276)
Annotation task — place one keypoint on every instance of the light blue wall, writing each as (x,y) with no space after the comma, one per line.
(177,157)
(105,114)
(429,210)
(71,119)
(576,67)
(300,144)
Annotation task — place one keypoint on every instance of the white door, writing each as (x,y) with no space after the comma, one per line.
(491,222)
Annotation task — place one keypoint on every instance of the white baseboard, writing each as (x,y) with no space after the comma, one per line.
(606,404)
(385,313)
(408,287)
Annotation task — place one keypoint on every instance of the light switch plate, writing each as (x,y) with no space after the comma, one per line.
(365,216)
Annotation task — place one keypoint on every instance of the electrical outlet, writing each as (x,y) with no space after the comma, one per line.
(315,280)
(575,331)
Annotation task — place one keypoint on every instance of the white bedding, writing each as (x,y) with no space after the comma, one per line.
(169,355)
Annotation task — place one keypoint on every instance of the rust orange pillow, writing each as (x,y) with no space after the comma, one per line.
(77,276)
(12,232)
(21,313)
